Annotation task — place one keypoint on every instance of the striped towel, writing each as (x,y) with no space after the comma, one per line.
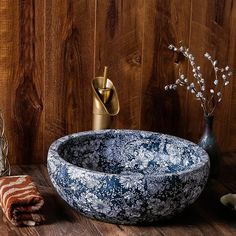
(20,200)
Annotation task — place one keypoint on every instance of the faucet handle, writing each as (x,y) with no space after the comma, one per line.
(104,84)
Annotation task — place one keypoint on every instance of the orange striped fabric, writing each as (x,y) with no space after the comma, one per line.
(20,200)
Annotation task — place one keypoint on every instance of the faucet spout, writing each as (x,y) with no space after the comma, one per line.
(105,103)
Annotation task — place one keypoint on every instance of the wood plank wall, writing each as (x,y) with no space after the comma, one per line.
(51,49)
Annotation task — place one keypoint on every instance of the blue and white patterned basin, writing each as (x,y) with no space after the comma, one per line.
(127,176)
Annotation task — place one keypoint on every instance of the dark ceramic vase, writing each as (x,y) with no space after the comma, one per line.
(209,144)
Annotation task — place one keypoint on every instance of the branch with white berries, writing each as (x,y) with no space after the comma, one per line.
(208,99)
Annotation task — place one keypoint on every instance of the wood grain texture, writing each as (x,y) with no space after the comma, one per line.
(229,132)
(165,22)
(7,20)
(206,217)
(69,68)
(51,49)
(24,85)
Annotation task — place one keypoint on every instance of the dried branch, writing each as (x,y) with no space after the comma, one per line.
(222,76)
(4,163)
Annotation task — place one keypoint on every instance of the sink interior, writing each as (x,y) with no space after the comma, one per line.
(126,153)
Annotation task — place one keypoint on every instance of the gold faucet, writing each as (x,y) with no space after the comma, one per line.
(105,102)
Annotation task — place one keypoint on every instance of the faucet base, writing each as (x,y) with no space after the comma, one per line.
(101,121)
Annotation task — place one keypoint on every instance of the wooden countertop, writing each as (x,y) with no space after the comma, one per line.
(206,217)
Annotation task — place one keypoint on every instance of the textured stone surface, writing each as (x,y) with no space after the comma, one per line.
(125,176)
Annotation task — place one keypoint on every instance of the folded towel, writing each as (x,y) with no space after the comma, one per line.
(20,200)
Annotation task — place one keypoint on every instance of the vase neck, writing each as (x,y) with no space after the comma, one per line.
(209,122)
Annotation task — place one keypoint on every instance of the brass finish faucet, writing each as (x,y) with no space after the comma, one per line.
(105,102)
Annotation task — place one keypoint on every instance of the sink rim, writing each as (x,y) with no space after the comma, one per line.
(53,153)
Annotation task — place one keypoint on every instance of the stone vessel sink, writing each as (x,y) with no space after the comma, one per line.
(127,176)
